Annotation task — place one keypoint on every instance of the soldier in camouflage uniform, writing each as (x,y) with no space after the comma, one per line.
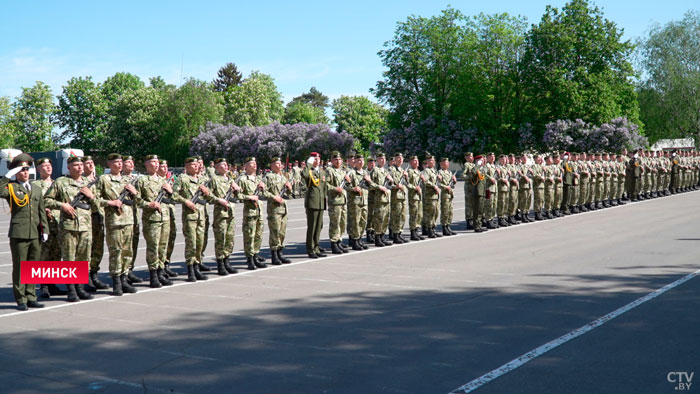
(128,172)
(75,223)
(479,182)
(446,182)
(431,197)
(252,214)
(568,181)
(468,165)
(558,185)
(205,174)
(119,221)
(357,190)
(98,232)
(156,220)
(51,249)
(515,172)
(538,181)
(337,203)
(186,188)
(276,189)
(587,183)
(398,200)
(223,190)
(381,182)
(414,179)
(549,174)
(525,189)
(371,163)
(169,204)
(503,190)
(491,201)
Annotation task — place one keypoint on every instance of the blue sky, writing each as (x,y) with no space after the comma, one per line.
(327,44)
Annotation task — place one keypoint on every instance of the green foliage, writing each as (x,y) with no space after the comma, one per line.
(228,76)
(32,115)
(313,97)
(301,112)
(668,97)
(256,102)
(118,84)
(82,113)
(135,121)
(7,134)
(358,116)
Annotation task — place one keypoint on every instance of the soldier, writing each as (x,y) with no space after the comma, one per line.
(28,219)
(276,189)
(205,174)
(620,169)
(98,233)
(358,190)
(549,175)
(675,172)
(381,182)
(503,190)
(371,163)
(525,189)
(169,204)
(252,226)
(398,199)
(633,173)
(479,188)
(314,203)
(568,180)
(337,203)
(558,185)
(156,220)
(75,199)
(491,202)
(431,196)
(446,182)
(538,183)
(468,165)
(119,222)
(514,189)
(51,249)
(186,189)
(223,190)
(128,172)
(348,170)
(587,183)
(414,180)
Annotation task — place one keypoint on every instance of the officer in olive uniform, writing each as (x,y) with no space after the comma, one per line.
(277,188)
(314,177)
(28,224)
(478,180)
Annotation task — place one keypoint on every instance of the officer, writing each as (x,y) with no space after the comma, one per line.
(675,172)
(398,199)
(98,232)
(74,197)
(252,226)
(314,177)
(51,249)
(478,180)
(357,190)
(446,181)
(381,183)
(223,190)
(337,202)
(277,188)
(27,223)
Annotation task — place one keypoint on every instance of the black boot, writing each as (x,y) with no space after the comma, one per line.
(620,202)
(431,233)
(220,269)
(97,284)
(538,216)
(198,273)
(397,239)
(203,268)
(251,263)
(275,259)
(72,295)
(163,278)
(502,222)
(228,267)
(126,287)
(414,235)
(55,290)
(169,272)
(470,224)
(154,282)
(378,241)
(445,231)
(283,259)
(82,294)
(132,278)
(44,292)
(335,248)
(437,235)
(116,286)
(353,244)
(405,239)
(190,273)
(362,244)
(342,245)
(369,237)
(258,263)
(386,240)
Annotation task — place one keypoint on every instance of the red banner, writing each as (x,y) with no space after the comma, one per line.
(54,272)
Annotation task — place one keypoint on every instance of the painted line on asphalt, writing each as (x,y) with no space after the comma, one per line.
(533,354)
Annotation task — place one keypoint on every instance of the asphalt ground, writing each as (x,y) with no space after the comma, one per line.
(426,317)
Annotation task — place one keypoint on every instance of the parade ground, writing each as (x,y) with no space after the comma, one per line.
(600,302)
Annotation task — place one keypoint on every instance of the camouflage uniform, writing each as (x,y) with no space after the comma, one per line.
(503,192)
(467,192)
(337,204)
(224,217)
(357,204)
(381,201)
(447,195)
(192,220)
(51,249)
(156,223)
(415,199)
(431,198)
(276,212)
(252,215)
(119,223)
(398,201)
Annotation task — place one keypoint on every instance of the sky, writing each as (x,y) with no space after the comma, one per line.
(331,45)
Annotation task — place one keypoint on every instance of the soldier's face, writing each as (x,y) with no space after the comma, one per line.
(370,165)
(414,163)
(381,161)
(75,169)
(89,166)
(116,166)
(222,168)
(151,166)
(276,167)
(444,165)
(45,170)
(359,163)
(398,161)
(162,169)
(337,162)
(549,161)
(128,165)
(251,166)
(23,175)
(491,158)
(192,168)
(538,160)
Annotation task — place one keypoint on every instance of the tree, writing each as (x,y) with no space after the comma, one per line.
(135,121)
(7,132)
(82,113)
(32,119)
(118,84)
(256,102)
(668,97)
(575,65)
(358,116)
(227,76)
(313,97)
(301,112)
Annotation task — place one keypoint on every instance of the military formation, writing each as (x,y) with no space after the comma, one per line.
(369,199)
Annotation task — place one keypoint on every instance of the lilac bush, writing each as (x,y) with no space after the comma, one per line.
(578,135)
(443,138)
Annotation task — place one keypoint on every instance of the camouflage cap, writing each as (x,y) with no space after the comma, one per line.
(112,156)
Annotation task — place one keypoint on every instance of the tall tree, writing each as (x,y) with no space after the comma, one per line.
(82,113)
(32,119)
(301,112)
(7,132)
(227,76)
(135,121)
(358,116)
(118,84)
(668,96)
(256,102)
(313,97)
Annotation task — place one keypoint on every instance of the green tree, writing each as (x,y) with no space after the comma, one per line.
(576,66)
(670,60)
(361,118)
(301,112)
(227,76)
(313,97)
(32,119)
(82,113)
(135,121)
(7,132)
(118,84)
(256,102)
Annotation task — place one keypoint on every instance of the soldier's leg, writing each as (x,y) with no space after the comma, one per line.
(370,216)
(334,222)
(317,231)
(127,249)
(248,230)
(282,233)
(258,234)
(163,243)
(205,233)
(467,202)
(151,232)
(115,247)
(98,242)
(22,292)
(273,221)
(134,239)
(444,212)
(343,221)
(189,228)
(219,227)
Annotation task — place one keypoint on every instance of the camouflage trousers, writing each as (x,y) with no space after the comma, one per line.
(502,203)
(98,241)
(205,239)
(357,220)
(558,195)
(136,234)
(337,217)
(224,234)
(490,205)
(446,210)
(430,213)
(193,230)
(478,203)
(415,213)
(119,244)
(277,224)
(587,192)
(75,245)
(51,249)
(252,234)
(606,189)
(467,200)
(156,235)
(381,216)
(549,197)
(524,200)
(370,214)
(538,199)
(513,200)
(398,215)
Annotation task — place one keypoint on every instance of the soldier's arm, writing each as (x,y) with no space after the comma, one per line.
(178,191)
(101,199)
(426,181)
(4,192)
(267,191)
(51,198)
(141,189)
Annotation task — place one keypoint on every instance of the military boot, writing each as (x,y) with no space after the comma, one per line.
(378,241)
(502,222)
(259,259)
(283,259)
(116,286)
(163,278)
(354,245)
(203,268)
(386,240)
(133,278)
(342,245)
(490,225)
(190,273)
(470,224)
(251,263)
(96,283)
(369,237)
(414,235)
(275,259)
(405,239)
(228,267)
(198,273)
(82,294)
(169,272)
(220,269)
(620,202)
(72,295)
(154,282)
(258,263)
(44,292)
(538,216)
(126,287)
(397,239)
(335,248)
(55,290)
(362,244)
